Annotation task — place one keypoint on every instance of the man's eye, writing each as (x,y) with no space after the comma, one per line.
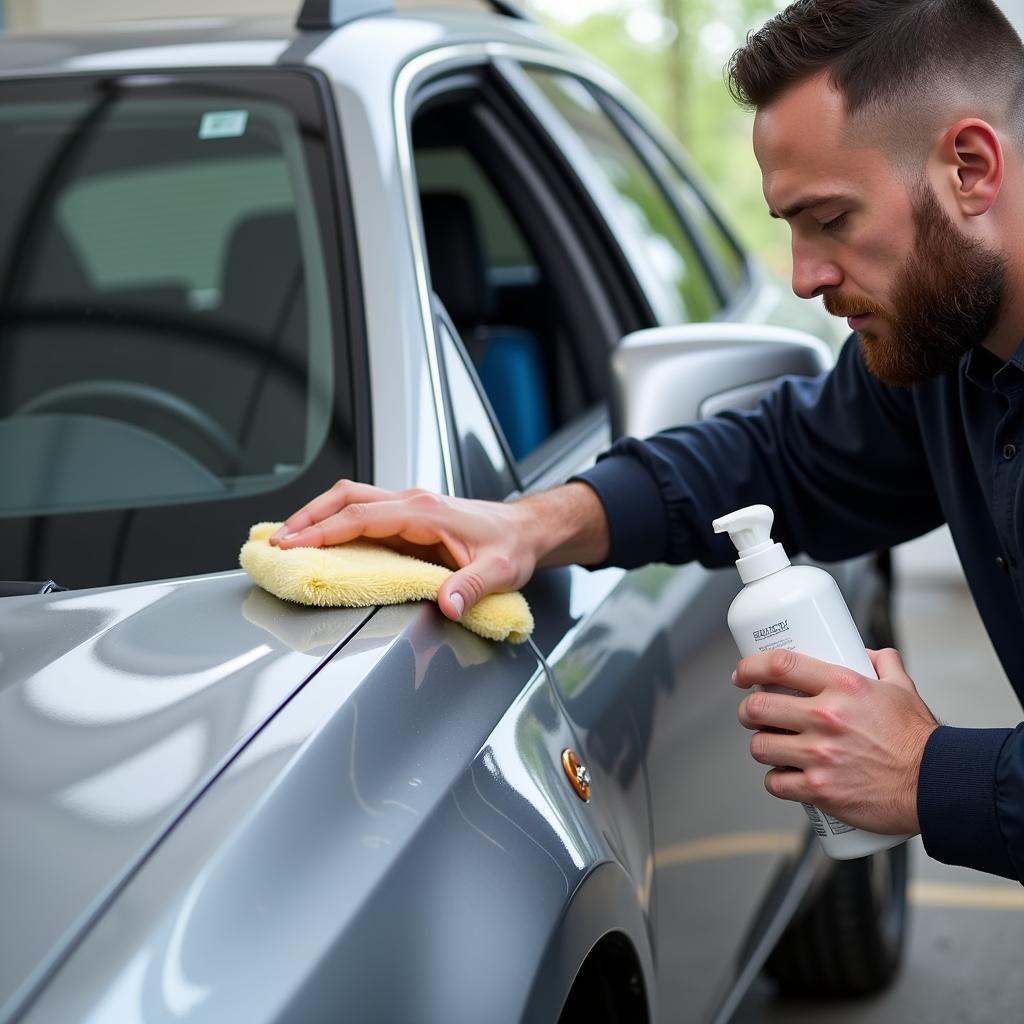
(835,223)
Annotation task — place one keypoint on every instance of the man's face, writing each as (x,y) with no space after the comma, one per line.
(918,291)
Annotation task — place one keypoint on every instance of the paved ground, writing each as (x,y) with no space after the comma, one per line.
(967,929)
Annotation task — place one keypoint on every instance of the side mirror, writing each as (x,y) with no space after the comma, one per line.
(667,376)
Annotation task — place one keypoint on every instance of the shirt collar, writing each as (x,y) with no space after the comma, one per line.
(990,373)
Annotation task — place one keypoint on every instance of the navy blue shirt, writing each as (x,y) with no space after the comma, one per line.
(852,465)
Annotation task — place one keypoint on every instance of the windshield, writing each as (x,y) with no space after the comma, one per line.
(166,328)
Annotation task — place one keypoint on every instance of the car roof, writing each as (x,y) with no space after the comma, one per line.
(251,42)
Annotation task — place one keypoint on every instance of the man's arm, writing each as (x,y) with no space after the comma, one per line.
(971,799)
(839,458)
(492,546)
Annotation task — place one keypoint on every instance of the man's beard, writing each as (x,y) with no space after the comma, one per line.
(946,300)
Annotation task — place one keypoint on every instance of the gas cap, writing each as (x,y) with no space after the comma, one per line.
(578,774)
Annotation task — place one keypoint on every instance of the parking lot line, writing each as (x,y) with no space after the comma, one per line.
(921,892)
(734,844)
(948,894)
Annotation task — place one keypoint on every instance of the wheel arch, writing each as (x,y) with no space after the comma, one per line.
(603,923)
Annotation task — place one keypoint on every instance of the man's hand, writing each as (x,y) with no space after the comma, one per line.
(492,546)
(852,747)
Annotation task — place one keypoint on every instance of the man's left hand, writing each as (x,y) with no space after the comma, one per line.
(852,746)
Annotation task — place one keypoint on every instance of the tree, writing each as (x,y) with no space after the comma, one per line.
(680,79)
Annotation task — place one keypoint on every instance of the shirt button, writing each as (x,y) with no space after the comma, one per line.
(1001,564)
(1009,451)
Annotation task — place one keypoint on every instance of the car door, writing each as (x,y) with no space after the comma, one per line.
(513,204)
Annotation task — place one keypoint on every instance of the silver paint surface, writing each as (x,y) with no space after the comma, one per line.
(117,707)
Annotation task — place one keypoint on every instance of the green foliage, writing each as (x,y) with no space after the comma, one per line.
(682,82)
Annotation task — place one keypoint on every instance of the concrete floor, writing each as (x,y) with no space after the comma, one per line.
(967,929)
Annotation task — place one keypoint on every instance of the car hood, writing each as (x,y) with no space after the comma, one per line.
(117,708)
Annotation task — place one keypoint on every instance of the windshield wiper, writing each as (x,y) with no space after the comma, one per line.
(17,588)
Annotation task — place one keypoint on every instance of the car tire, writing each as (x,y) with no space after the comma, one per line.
(849,940)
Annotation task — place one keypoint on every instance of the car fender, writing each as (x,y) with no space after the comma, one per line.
(604,904)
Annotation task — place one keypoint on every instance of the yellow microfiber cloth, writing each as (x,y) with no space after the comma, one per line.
(363,573)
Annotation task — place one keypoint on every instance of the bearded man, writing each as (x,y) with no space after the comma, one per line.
(890,136)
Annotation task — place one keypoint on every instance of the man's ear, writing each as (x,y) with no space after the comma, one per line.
(971,157)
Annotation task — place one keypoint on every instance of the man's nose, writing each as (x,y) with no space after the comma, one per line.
(812,275)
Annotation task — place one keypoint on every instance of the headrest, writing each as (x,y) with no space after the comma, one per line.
(263,263)
(457,266)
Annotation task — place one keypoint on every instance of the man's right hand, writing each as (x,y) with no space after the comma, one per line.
(491,546)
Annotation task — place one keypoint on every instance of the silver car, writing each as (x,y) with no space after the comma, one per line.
(418,245)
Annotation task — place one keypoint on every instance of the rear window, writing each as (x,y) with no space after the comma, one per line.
(168,338)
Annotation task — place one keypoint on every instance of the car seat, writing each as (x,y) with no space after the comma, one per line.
(263,298)
(508,359)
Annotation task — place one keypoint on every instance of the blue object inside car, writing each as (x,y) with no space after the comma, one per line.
(507,358)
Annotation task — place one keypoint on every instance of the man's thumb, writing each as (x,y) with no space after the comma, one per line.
(461,591)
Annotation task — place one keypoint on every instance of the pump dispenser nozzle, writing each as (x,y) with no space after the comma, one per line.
(750,530)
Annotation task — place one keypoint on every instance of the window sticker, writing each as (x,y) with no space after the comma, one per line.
(223,124)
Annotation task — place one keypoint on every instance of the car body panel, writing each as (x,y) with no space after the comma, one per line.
(142,720)
(356,848)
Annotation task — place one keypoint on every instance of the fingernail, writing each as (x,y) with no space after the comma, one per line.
(459,604)
(735,676)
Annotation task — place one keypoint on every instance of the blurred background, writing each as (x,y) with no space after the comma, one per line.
(669,52)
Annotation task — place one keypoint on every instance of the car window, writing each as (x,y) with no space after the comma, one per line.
(167,336)
(496,285)
(651,229)
(507,257)
(728,254)
(725,251)
(166,329)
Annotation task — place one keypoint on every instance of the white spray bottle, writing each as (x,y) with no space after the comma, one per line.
(797,608)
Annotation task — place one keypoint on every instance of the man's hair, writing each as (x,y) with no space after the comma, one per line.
(889,55)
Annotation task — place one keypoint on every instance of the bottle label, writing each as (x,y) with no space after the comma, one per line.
(774,636)
(817,822)
(823,823)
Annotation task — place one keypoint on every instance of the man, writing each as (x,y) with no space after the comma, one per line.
(890,136)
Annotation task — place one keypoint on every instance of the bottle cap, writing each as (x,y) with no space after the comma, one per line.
(750,530)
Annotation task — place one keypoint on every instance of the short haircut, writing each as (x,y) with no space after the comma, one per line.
(909,57)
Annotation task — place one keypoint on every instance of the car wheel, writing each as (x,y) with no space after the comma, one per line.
(880,631)
(849,940)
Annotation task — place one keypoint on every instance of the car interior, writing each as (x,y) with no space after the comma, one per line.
(506,273)
(212,368)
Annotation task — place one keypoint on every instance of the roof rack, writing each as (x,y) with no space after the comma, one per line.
(510,10)
(318,15)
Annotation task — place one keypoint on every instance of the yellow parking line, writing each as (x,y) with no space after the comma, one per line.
(948,894)
(735,844)
(920,893)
